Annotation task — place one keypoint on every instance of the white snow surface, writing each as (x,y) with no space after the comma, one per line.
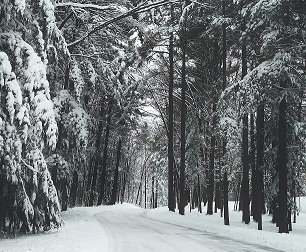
(125,227)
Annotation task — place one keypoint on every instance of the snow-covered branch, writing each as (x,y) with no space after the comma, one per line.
(29,166)
(86,6)
(143,7)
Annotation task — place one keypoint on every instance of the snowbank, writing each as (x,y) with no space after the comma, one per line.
(81,232)
(213,224)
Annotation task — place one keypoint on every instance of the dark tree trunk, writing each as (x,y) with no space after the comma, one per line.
(140,185)
(211,172)
(218,178)
(74,188)
(171,196)
(96,161)
(145,189)
(64,188)
(183,127)
(289,219)
(245,204)
(282,165)
(259,165)
(54,177)
(115,185)
(153,194)
(125,175)
(224,47)
(206,163)
(295,171)
(294,211)
(199,196)
(105,149)
(89,175)
(203,162)
(245,198)
(224,57)
(156,194)
(176,183)
(252,163)
(211,175)
(225,188)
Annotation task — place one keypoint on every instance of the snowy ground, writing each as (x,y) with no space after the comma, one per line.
(129,228)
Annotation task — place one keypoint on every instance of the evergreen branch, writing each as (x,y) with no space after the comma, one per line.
(138,9)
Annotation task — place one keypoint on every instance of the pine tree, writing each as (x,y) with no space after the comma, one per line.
(29,129)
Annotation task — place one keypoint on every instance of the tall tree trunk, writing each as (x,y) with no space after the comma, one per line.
(245,198)
(96,162)
(74,188)
(176,184)
(125,175)
(282,164)
(203,159)
(115,185)
(295,172)
(139,192)
(183,127)
(153,198)
(225,187)
(64,197)
(199,195)
(245,173)
(105,149)
(218,203)
(206,162)
(252,163)
(224,57)
(156,194)
(211,175)
(145,189)
(258,194)
(171,196)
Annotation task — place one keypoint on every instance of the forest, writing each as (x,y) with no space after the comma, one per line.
(152,102)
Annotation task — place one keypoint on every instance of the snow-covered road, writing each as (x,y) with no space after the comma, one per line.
(125,227)
(131,230)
